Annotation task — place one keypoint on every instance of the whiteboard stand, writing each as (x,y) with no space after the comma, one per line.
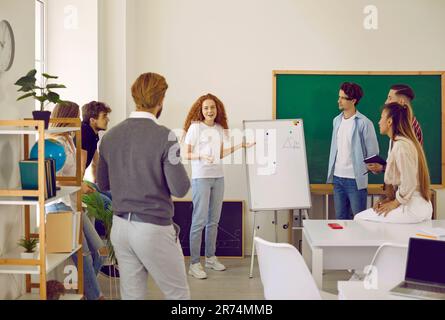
(255,228)
(301,212)
(252,257)
(276,169)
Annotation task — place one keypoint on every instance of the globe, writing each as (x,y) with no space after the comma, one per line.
(53,150)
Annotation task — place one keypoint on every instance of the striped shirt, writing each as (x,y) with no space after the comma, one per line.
(417,130)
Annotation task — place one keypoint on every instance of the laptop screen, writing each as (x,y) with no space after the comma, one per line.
(426,261)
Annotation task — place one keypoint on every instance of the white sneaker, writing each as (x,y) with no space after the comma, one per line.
(197,271)
(214,264)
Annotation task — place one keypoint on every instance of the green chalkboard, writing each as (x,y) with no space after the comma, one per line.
(313,98)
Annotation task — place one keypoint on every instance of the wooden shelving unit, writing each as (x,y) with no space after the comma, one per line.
(12,263)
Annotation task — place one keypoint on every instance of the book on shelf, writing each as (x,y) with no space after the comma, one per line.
(76,229)
(50,167)
(29,177)
(62,231)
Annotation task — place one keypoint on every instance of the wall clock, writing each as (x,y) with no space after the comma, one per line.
(7,46)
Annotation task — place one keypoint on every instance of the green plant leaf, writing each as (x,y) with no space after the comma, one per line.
(55,86)
(29,245)
(28,85)
(32,73)
(26,81)
(53,97)
(31,94)
(47,76)
(42,98)
(26,88)
(96,208)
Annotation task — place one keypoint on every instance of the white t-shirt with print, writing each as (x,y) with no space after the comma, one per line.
(343,163)
(206,140)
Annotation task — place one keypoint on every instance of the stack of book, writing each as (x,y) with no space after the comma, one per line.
(431,233)
(29,177)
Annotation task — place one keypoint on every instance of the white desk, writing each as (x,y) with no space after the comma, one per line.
(355,290)
(352,247)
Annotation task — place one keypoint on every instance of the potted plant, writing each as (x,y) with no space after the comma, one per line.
(96,208)
(30,246)
(42,94)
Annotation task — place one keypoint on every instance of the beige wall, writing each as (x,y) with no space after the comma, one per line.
(20,13)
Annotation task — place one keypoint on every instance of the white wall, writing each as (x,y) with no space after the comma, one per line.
(73,49)
(113,57)
(231,47)
(20,13)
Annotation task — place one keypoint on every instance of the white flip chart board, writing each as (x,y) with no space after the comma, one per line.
(277,171)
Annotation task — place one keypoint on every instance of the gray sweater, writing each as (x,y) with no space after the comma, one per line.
(134,164)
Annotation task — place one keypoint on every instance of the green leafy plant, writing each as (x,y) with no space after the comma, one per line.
(43,94)
(97,209)
(29,244)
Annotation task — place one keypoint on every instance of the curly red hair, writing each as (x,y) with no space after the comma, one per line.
(195,113)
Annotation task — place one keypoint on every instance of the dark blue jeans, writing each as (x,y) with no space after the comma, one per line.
(348,200)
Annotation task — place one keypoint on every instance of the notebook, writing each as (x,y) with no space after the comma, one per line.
(438,233)
(375,159)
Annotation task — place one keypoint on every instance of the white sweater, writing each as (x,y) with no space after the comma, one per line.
(402,169)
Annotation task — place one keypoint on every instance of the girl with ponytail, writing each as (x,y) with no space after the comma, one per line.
(406,170)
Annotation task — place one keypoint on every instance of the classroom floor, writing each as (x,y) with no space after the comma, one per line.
(231,284)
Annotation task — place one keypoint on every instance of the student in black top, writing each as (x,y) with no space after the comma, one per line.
(94,119)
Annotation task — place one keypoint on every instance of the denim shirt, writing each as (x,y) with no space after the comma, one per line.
(364,144)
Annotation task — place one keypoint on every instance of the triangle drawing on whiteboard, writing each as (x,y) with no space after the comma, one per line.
(291,143)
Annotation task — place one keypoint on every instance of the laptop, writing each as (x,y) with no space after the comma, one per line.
(425,270)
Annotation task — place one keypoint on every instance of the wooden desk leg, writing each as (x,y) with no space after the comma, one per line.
(317,266)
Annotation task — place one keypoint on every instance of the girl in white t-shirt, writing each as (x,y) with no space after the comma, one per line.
(204,146)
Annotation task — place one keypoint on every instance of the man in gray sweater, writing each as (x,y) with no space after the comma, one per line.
(139,162)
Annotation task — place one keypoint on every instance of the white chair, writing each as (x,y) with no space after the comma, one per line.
(284,273)
(387,268)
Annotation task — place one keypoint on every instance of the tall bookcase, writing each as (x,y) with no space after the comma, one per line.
(12,263)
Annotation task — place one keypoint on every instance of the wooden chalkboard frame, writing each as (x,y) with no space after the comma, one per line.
(372,188)
(243,209)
